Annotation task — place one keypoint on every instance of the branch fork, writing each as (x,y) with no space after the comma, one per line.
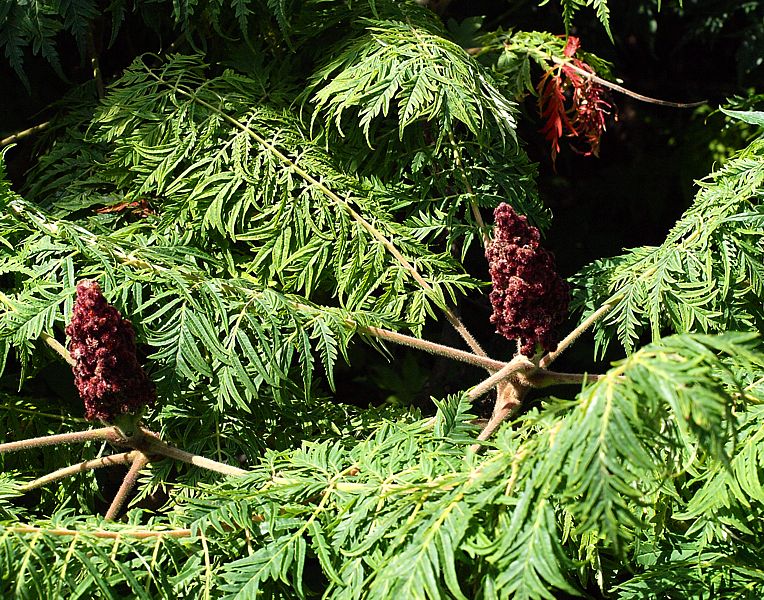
(146,446)
(512,380)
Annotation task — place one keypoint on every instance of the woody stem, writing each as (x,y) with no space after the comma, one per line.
(433,348)
(22,134)
(128,483)
(576,333)
(75,437)
(154,445)
(619,88)
(510,398)
(516,364)
(541,378)
(517,381)
(87,465)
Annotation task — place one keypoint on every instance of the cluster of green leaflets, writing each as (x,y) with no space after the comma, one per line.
(252,206)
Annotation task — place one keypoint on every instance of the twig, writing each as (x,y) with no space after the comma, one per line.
(433,348)
(87,465)
(156,446)
(128,483)
(541,378)
(623,90)
(576,333)
(94,63)
(493,424)
(518,363)
(473,204)
(477,51)
(15,137)
(510,398)
(109,535)
(373,231)
(105,433)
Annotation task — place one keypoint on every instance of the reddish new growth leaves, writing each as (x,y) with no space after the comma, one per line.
(108,376)
(138,208)
(529,298)
(585,119)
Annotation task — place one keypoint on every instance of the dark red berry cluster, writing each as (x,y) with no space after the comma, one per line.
(108,376)
(529,298)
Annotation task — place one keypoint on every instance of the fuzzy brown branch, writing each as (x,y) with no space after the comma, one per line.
(518,363)
(105,433)
(153,444)
(541,378)
(128,483)
(479,360)
(507,401)
(108,535)
(477,51)
(433,348)
(88,465)
(576,333)
(619,88)
(15,137)
(513,383)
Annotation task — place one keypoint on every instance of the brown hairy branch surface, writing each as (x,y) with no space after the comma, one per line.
(128,483)
(15,137)
(155,445)
(549,358)
(75,437)
(88,465)
(623,90)
(433,348)
(108,535)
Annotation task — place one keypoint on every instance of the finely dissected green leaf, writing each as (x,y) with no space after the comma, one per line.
(416,73)
(747,116)
(707,275)
(49,561)
(315,170)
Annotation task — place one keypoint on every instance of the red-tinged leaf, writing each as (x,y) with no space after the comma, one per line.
(140,208)
(551,105)
(574,76)
(571,46)
(588,107)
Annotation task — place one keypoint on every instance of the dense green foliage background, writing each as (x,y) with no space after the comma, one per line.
(257,185)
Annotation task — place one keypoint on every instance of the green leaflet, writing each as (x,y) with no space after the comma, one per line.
(706,276)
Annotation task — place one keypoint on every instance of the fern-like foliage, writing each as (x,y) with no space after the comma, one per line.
(706,276)
(407,511)
(571,7)
(257,254)
(253,206)
(418,75)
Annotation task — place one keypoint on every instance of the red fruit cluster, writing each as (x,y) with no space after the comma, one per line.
(529,298)
(107,374)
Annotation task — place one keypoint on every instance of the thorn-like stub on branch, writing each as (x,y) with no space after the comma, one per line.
(107,373)
(529,298)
